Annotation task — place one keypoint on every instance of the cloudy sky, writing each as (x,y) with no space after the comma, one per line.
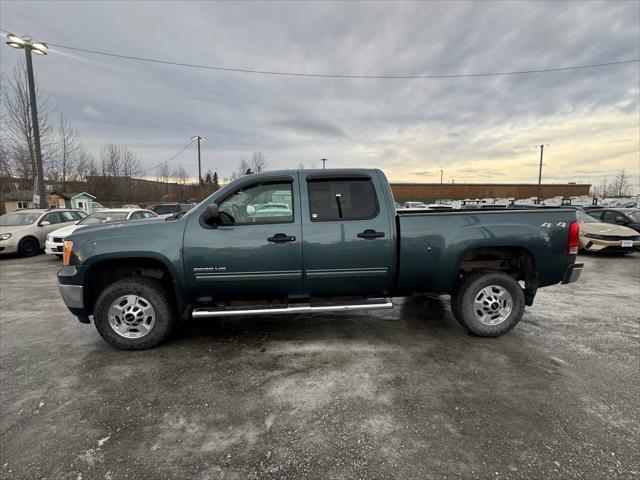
(476,129)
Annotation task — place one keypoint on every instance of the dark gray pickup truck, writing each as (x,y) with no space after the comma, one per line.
(311,241)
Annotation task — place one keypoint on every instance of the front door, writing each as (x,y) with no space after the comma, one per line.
(348,238)
(256,252)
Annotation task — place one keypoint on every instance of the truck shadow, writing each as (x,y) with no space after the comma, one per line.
(423,315)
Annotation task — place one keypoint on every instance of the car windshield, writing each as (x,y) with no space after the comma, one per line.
(635,216)
(103,217)
(584,218)
(19,218)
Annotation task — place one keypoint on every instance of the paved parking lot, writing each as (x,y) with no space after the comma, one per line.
(398,394)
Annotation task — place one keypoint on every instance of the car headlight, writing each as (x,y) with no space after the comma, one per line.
(5,236)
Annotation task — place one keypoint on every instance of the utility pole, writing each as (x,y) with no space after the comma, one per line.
(199,139)
(323,162)
(540,173)
(441,176)
(38,48)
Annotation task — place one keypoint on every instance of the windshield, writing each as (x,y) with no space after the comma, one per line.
(635,216)
(104,217)
(19,218)
(584,218)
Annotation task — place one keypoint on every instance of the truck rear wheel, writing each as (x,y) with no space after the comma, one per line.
(489,304)
(134,313)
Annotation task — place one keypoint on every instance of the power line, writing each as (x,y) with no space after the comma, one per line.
(330,75)
(166,161)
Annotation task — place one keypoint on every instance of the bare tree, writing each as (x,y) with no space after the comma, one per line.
(68,150)
(621,184)
(257,163)
(84,166)
(130,165)
(19,128)
(164,173)
(180,177)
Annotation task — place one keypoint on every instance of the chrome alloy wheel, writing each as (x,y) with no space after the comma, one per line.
(492,305)
(132,316)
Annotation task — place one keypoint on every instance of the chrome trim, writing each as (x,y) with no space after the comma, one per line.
(266,275)
(345,272)
(72,295)
(296,308)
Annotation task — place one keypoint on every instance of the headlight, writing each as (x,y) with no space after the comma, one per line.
(5,236)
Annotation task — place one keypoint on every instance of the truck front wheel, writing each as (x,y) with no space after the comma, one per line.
(134,313)
(489,304)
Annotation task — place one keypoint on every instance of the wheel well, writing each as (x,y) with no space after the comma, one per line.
(104,273)
(515,261)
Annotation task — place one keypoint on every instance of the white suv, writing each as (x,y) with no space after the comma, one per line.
(55,240)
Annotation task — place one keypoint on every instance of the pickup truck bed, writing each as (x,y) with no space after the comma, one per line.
(314,240)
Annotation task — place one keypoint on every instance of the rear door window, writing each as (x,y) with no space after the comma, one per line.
(53,217)
(342,199)
(67,216)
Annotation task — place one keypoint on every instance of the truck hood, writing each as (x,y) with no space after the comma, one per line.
(65,231)
(601,228)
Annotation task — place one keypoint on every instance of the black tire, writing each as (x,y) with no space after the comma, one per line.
(29,247)
(464,300)
(151,290)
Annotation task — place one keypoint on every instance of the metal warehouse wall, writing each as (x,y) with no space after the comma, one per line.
(430,191)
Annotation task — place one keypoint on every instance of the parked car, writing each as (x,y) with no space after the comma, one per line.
(170,208)
(341,247)
(55,240)
(25,230)
(597,236)
(95,206)
(627,217)
(131,206)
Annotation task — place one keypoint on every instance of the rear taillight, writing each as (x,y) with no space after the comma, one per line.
(574,238)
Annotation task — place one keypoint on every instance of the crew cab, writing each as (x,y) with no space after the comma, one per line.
(332,242)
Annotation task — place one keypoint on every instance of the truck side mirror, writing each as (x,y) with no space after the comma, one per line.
(211,215)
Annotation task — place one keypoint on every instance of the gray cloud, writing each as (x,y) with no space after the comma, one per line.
(407,127)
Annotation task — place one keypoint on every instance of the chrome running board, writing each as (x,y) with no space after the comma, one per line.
(373,304)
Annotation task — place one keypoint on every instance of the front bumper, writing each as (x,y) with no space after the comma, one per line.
(572,273)
(8,246)
(597,245)
(72,296)
(71,286)
(53,248)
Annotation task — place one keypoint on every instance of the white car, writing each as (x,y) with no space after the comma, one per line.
(25,230)
(55,240)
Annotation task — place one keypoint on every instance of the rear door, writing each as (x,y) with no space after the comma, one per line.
(257,252)
(348,238)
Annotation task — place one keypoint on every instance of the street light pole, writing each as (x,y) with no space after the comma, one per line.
(323,162)
(40,49)
(199,139)
(540,173)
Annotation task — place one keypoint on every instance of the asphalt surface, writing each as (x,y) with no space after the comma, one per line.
(401,394)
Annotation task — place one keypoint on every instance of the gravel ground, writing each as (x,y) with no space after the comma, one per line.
(401,394)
